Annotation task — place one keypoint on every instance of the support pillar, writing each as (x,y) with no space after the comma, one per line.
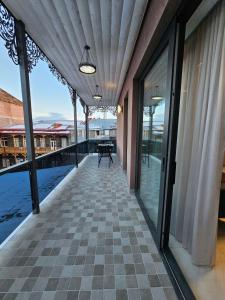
(87,127)
(74,101)
(25,85)
(86,122)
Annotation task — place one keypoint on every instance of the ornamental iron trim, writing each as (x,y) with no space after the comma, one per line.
(102,108)
(8,33)
(34,53)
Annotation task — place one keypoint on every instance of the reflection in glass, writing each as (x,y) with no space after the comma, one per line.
(152,135)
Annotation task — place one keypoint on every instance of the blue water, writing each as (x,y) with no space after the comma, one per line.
(15,195)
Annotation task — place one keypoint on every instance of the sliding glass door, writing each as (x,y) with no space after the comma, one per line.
(153,116)
(155,98)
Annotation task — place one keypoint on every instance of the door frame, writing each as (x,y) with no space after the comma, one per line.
(161,236)
(181,286)
(125,131)
(168,40)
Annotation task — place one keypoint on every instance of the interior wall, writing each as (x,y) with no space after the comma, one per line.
(158,15)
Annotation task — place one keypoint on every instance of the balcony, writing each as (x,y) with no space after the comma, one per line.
(90,240)
(23,150)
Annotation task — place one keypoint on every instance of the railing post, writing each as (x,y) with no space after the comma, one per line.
(86,122)
(25,85)
(74,101)
(87,126)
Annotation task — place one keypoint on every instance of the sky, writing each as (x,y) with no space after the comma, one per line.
(50,98)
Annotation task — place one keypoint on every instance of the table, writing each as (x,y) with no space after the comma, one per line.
(104,150)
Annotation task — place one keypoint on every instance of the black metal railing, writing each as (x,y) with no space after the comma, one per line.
(15,198)
(154,148)
(93,143)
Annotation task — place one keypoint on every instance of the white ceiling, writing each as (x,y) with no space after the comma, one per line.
(61,28)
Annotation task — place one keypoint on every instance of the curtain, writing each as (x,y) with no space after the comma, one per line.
(201,139)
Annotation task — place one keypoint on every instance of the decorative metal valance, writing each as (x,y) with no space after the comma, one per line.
(102,108)
(8,33)
(70,90)
(34,53)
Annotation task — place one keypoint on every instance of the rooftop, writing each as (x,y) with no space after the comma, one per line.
(60,126)
(6,97)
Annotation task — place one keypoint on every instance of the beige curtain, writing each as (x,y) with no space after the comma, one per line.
(201,139)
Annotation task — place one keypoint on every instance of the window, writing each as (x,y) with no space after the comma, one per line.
(16,142)
(4,142)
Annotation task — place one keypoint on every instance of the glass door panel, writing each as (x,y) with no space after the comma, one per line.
(153,118)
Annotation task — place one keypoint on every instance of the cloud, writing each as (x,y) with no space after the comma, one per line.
(50,116)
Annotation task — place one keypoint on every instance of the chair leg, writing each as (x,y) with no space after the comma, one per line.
(99,160)
(110,157)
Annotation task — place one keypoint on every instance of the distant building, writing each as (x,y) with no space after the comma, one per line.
(157,131)
(11,109)
(48,136)
(102,128)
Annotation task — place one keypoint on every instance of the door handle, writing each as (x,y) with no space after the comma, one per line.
(173,175)
(163,164)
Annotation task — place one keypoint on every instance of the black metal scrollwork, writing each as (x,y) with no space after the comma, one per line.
(70,90)
(53,69)
(33,53)
(7,32)
(102,108)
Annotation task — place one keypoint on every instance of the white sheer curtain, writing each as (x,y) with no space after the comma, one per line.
(201,139)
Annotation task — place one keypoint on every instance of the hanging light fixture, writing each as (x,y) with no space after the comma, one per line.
(97,95)
(157,95)
(85,65)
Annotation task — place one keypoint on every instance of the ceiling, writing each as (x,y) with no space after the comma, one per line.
(61,28)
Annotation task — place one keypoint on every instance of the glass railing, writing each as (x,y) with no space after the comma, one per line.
(15,197)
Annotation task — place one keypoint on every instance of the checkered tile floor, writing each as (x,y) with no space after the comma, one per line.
(89,242)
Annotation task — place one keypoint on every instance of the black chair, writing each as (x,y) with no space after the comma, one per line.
(104,151)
